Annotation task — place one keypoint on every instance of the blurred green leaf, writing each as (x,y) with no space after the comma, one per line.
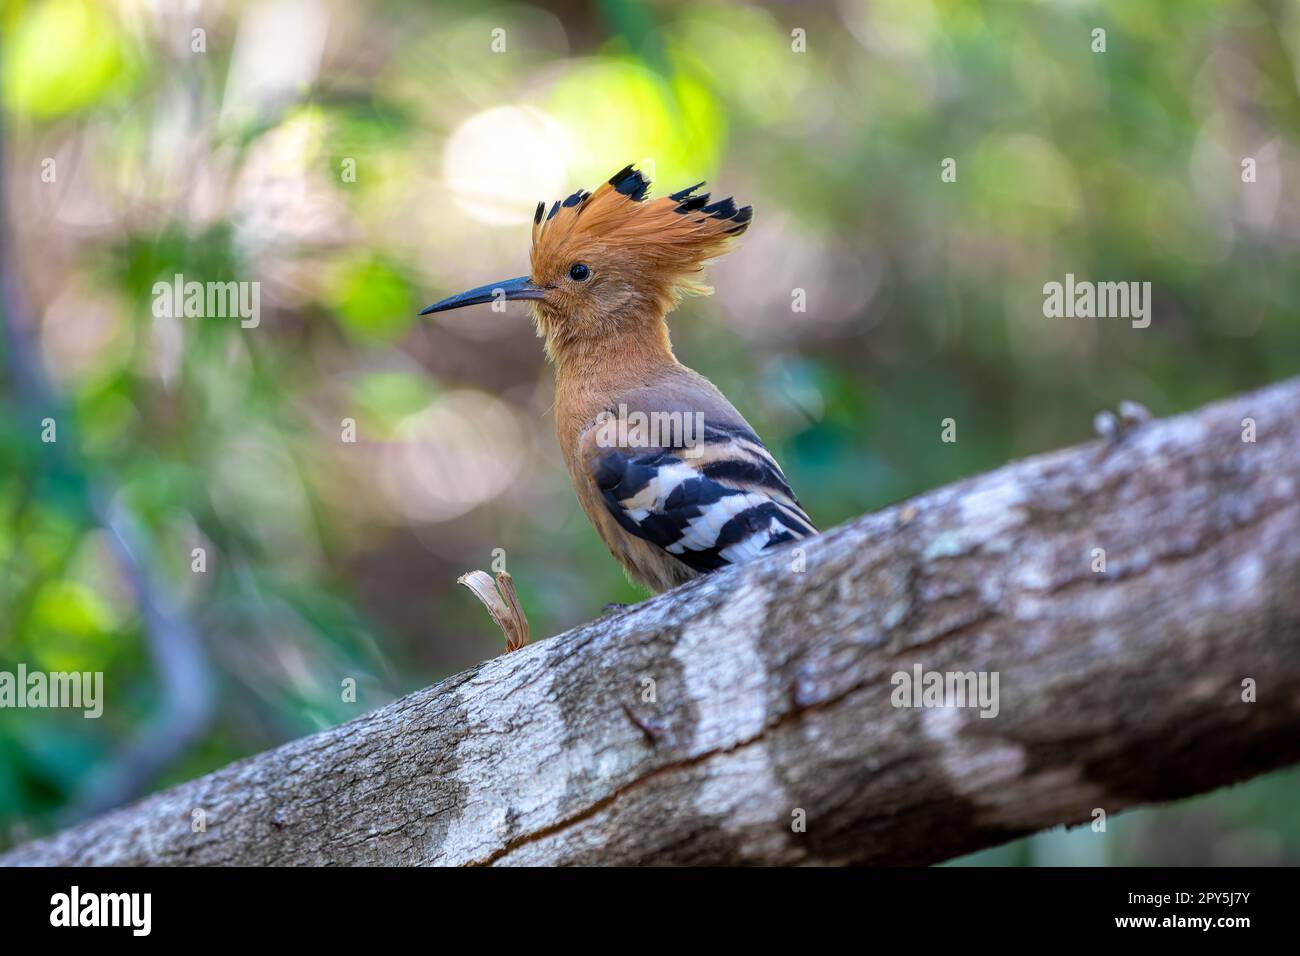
(372,299)
(63,56)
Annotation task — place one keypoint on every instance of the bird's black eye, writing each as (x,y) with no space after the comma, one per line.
(578,272)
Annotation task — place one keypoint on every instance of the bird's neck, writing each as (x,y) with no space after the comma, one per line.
(591,373)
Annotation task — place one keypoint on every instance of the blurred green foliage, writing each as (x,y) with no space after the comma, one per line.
(359,161)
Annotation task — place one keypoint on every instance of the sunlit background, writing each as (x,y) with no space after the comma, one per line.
(361,160)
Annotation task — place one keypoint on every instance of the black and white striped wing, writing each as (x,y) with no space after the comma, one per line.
(724,507)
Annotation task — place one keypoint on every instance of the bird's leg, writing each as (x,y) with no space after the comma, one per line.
(1132,414)
(1114,428)
(613,608)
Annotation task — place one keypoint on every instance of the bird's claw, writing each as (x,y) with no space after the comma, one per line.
(1114,427)
(1132,414)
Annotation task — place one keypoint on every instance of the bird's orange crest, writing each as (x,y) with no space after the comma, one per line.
(663,243)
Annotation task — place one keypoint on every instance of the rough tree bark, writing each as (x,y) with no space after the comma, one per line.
(772,688)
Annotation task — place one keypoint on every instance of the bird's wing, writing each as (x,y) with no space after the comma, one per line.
(719,502)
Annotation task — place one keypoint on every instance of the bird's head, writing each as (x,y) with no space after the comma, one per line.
(613,261)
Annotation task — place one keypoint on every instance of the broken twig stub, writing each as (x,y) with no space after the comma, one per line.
(502,603)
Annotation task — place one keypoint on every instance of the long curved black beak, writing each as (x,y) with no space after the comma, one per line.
(521,288)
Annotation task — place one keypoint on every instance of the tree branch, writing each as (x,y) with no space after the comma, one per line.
(772,687)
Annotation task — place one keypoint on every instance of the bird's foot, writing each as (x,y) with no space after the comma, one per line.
(613,608)
(1114,427)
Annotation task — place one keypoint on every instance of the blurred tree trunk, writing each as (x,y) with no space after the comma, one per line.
(1138,602)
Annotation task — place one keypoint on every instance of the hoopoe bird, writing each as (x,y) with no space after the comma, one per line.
(607,268)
